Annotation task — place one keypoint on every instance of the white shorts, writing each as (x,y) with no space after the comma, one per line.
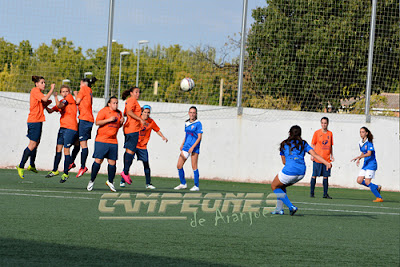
(369,174)
(289,179)
(185,154)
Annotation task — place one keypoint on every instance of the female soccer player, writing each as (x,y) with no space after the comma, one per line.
(84,100)
(68,130)
(190,147)
(141,147)
(38,102)
(132,127)
(109,119)
(292,151)
(367,172)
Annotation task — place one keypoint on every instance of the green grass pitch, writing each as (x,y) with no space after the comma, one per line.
(44,222)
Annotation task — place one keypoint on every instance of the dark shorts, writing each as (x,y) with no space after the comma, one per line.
(142,154)
(34,131)
(85,130)
(131,141)
(319,169)
(105,150)
(66,137)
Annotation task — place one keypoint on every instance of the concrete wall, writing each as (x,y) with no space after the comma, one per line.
(233,148)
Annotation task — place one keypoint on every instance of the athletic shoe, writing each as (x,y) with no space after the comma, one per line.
(71,166)
(379,188)
(127,178)
(64,178)
(81,172)
(121,184)
(32,169)
(312,195)
(378,199)
(278,212)
(195,188)
(292,210)
(20,172)
(90,186)
(327,196)
(181,186)
(150,186)
(52,174)
(111,186)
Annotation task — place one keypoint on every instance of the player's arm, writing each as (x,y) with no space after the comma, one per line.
(77,99)
(283,160)
(357,159)
(103,121)
(332,157)
(50,110)
(60,104)
(46,97)
(196,143)
(320,159)
(134,116)
(162,136)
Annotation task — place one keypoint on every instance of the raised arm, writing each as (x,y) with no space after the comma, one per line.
(46,97)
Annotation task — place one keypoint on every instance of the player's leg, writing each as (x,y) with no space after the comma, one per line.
(375,189)
(325,174)
(181,161)
(57,159)
(112,156)
(34,133)
(131,141)
(85,133)
(280,182)
(313,178)
(75,153)
(195,160)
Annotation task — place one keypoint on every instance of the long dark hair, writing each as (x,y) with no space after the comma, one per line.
(126,93)
(36,79)
(89,81)
(295,138)
(370,136)
(192,107)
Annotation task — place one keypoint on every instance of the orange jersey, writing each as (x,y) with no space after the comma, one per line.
(323,143)
(107,133)
(36,113)
(132,125)
(144,134)
(68,113)
(85,106)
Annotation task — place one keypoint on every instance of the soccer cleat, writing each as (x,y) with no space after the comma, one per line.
(292,210)
(121,184)
(278,212)
(111,186)
(81,172)
(71,166)
(327,196)
(64,178)
(126,178)
(32,169)
(312,195)
(20,172)
(150,186)
(379,189)
(181,186)
(378,199)
(52,174)
(90,186)
(195,188)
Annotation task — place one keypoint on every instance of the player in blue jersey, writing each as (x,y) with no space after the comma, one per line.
(190,147)
(292,151)
(367,172)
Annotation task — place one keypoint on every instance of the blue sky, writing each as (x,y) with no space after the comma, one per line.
(85,22)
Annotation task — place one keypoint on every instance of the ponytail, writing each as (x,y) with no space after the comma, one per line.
(370,136)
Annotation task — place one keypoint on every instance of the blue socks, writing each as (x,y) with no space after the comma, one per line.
(147,172)
(283,196)
(312,185)
(67,161)
(112,169)
(33,157)
(364,184)
(325,183)
(95,171)
(84,155)
(196,177)
(374,190)
(75,152)
(57,160)
(25,157)
(182,176)
(128,158)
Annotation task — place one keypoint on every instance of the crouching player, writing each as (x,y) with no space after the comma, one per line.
(109,119)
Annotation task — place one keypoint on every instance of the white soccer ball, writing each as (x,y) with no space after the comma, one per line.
(187,84)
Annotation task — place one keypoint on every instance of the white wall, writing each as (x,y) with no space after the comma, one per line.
(233,148)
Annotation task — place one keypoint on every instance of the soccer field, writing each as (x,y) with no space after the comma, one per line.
(44,222)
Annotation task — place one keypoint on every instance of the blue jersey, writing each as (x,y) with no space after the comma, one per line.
(192,129)
(370,162)
(295,164)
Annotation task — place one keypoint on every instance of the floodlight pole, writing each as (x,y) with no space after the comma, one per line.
(138,60)
(109,49)
(241,60)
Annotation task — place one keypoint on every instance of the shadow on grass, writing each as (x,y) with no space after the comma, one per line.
(17,252)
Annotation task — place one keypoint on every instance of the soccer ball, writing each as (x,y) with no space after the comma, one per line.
(187,84)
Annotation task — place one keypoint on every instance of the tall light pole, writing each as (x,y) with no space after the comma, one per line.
(87,74)
(138,59)
(119,80)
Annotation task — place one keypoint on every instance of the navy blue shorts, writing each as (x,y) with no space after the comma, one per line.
(85,130)
(131,141)
(35,131)
(142,154)
(66,137)
(105,150)
(319,169)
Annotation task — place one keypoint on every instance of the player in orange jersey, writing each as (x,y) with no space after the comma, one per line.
(109,119)
(322,142)
(38,102)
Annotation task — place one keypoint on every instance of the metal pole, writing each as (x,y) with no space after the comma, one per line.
(242,42)
(109,49)
(370,59)
(137,67)
(119,80)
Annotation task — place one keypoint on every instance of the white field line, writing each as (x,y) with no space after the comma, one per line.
(347,205)
(34,195)
(354,211)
